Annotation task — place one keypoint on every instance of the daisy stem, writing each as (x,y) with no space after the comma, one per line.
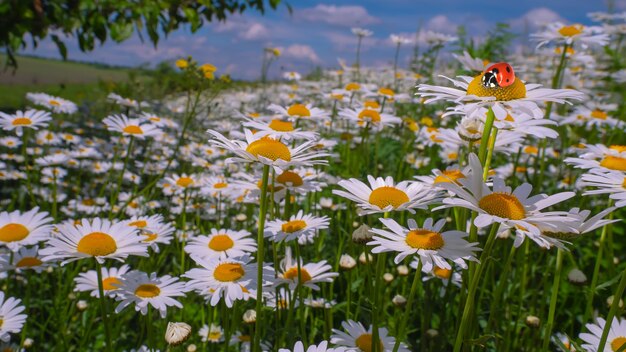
(260,257)
(358,58)
(407,310)
(120,179)
(617,297)
(469,300)
(553,298)
(299,293)
(492,145)
(378,290)
(596,269)
(149,329)
(395,67)
(484,141)
(103,309)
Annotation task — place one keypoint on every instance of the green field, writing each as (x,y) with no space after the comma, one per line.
(71,80)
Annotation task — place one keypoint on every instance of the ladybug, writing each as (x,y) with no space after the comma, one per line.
(498,75)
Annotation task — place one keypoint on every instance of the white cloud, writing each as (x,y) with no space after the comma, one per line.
(254,32)
(535,19)
(301,52)
(345,16)
(441,23)
(244,29)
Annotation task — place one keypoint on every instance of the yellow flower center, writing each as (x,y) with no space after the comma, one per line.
(97,244)
(352,86)
(184,181)
(150,237)
(449,176)
(424,239)
(220,185)
(531,149)
(617,343)
(221,242)
(110,283)
(13,232)
(290,178)
(442,273)
(281,126)
(570,31)
(293,226)
(599,114)
(517,90)
(614,163)
(292,274)
(369,115)
(618,148)
(54,102)
(228,272)
(27,262)
(503,205)
(182,63)
(147,291)
(364,343)
(139,223)
(385,196)
(133,129)
(386,91)
(215,335)
(22,121)
(298,110)
(270,149)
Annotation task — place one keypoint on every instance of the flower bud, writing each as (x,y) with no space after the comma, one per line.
(346,262)
(398,301)
(249,316)
(402,270)
(177,333)
(388,277)
(577,277)
(82,305)
(363,260)
(362,234)
(532,321)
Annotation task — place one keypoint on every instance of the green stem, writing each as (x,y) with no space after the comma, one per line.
(103,309)
(407,310)
(260,257)
(617,297)
(553,298)
(484,141)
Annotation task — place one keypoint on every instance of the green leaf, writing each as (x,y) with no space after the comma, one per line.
(60,45)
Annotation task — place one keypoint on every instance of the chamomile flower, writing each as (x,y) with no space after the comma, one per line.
(279,129)
(358,339)
(428,242)
(56,104)
(601,157)
(615,340)
(99,238)
(299,347)
(128,102)
(300,226)
(383,195)
(111,281)
(222,244)
(311,273)
(143,290)
(213,333)
(12,321)
(24,259)
(369,118)
(606,182)
(502,205)
(131,127)
(559,34)
(19,229)
(268,151)
(179,183)
(24,119)
(517,96)
(230,279)
(299,111)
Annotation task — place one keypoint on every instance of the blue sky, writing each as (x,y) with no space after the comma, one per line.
(317,33)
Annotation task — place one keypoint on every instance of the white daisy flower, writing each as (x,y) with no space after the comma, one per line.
(559,34)
(517,96)
(279,129)
(213,333)
(12,320)
(24,119)
(143,290)
(111,281)
(511,209)
(98,238)
(179,183)
(299,111)
(311,273)
(24,259)
(268,151)
(371,118)
(471,63)
(361,32)
(19,229)
(56,104)
(606,182)
(601,157)
(222,244)
(358,339)
(615,340)
(131,127)
(230,279)
(431,246)
(382,195)
(131,103)
(299,347)
(300,226)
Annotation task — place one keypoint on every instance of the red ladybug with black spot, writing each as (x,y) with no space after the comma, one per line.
(498,75)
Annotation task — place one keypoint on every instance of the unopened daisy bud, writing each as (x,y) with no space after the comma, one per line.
(28,342)
(615,260)
(471,129)
(192,348)
(249,316)
(355,224)
(504,234)
(49,270)
(241,217)
(577,277)
(362,234)
(609,302)
(346,262)
(432,333)
(326,202)
(81,305)
(177,333)
(380,166)
(532,321)
(388,277)
(403,270)
(71,296)
(364,260)
(398,301)
(448,219)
